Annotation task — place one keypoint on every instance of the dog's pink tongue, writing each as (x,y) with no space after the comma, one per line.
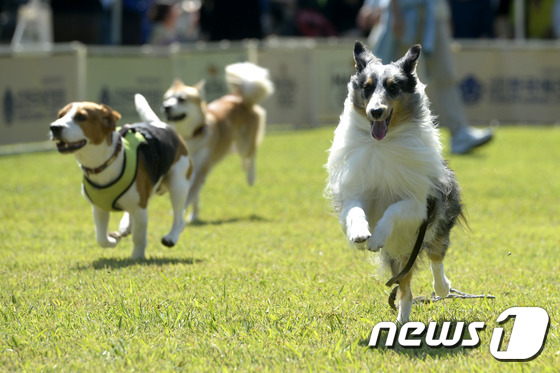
(379,130)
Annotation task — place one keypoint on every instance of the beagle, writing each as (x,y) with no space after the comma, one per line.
(124,168)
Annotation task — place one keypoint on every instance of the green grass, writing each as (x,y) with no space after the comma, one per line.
(267,282)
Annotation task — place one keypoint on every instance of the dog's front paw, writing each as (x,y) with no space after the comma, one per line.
(359,236)
(375,244)
(379,237)
(111,240)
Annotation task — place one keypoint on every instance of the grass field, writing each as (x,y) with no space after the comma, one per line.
(267,281)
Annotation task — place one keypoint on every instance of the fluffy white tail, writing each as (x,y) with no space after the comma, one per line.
(144,110)
(250,81)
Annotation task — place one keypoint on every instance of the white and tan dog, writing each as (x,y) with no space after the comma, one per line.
(123,169)
(232,122)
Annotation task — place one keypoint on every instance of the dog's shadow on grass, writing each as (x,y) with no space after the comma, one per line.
(250,218)
(421,352)
(116,263)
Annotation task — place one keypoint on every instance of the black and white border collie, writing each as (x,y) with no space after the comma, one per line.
(386,171)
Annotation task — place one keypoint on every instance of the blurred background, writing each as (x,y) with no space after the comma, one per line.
(506,55)
(161,22)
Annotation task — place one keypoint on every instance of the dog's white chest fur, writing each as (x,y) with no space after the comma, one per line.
(403,165)
(400,170)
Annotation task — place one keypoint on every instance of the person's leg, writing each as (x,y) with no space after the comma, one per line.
(445,95)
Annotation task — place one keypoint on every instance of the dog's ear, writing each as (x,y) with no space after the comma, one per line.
(362,56)
(409,62)
(62,112)
(177,83)
(110,117)
(200,88)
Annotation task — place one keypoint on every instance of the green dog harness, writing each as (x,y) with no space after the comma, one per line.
(106,196)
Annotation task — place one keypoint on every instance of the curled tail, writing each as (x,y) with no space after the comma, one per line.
(250,81)
(144,110)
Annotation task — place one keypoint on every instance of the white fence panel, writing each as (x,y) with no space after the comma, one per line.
(114,75)
(509,82)
(33,87)
(294,100)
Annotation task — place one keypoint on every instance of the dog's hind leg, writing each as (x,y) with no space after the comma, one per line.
(198,179)
(247,152)
(441,284)
(139,232)
(125,226)
(405,298)
(250,170)
(248,142)
(178,186)
(250,159)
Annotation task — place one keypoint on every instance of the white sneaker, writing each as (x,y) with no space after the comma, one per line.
(468,138)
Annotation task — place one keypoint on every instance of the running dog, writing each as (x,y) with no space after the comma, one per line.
(232,122)
(387,176)
(123,169)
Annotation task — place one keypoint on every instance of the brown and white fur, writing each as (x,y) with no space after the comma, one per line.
(385,167)
(88,130)
(232,122)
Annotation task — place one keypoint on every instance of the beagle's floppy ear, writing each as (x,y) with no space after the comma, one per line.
(62,112)
(110,117)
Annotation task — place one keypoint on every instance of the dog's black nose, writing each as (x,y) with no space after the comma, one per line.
(166,109)
(376,113)
(56,130)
